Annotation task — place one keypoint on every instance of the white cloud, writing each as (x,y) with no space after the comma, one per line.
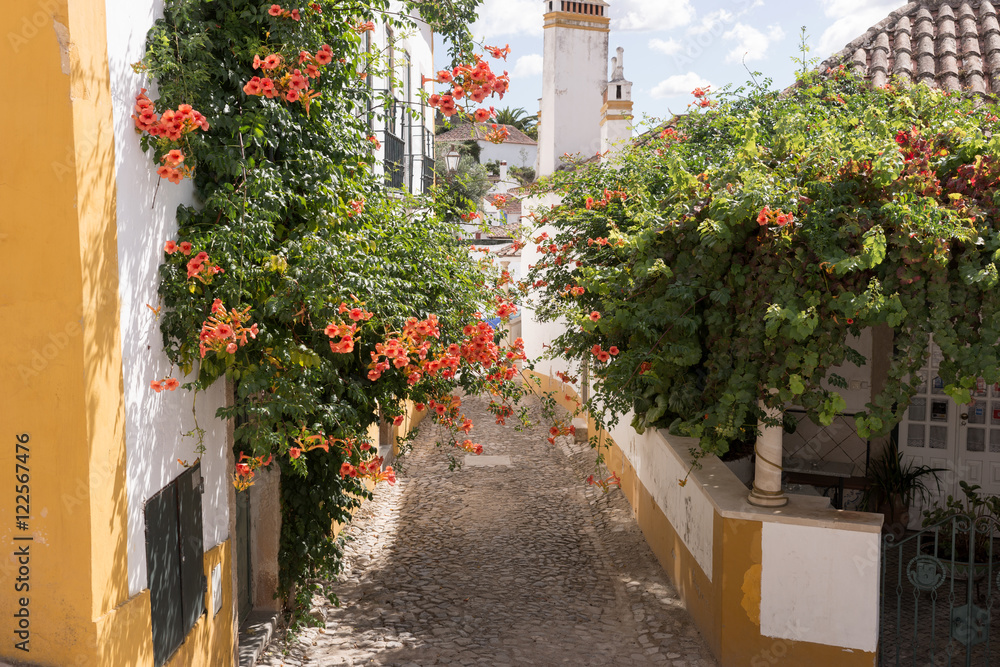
(528,66)
(508,17)
(850,20)
(752,44)
(644,15)
(711,22)
(679,84)
(667,47)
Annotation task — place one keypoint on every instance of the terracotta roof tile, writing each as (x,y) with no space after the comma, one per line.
(947,44)
(465,131)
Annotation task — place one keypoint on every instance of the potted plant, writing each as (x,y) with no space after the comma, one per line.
(893,484)
(953,523)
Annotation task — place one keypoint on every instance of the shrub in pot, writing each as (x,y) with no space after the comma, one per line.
(893,484)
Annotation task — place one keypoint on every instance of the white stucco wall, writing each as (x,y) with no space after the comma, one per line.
(574,75)
(516,155)
(819,584)
(616,133)
(539,335)
(146,220)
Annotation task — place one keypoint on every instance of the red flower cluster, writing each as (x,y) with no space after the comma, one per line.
(473,82)
(170,128)
(397,351)
(569,379)
(346,334)
(497,134)
(357,207)
(606,483)
(471,447)
(669,136)
(224,330)
(570,290)
(202,268)
(560,429)
(609,196)
(172,246)
(286,82)
(499,53)
(245,470)
(604,355)
(505,308)
(169,384)
(777,217)
(371,469)
(277,11)
(701,97)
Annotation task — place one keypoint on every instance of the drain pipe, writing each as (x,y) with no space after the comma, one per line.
(767,490)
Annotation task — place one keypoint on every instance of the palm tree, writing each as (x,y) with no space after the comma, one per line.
(518,118)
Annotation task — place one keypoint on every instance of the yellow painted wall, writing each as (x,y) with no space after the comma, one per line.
(60,351)
(60,347)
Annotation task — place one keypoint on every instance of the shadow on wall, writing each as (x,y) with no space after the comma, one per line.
(156,424)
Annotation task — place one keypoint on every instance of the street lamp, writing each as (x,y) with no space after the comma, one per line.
(451,159)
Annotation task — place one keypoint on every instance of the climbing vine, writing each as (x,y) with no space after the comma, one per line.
(745,246)
(324,298)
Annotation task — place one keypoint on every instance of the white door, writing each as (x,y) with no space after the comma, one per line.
(963,439)
(979,439)
(928,434)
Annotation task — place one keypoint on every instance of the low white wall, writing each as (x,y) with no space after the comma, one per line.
(820,566)
(820,584)
(688,508)
(146,219)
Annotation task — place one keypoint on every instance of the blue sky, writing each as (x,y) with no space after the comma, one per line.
(673,46)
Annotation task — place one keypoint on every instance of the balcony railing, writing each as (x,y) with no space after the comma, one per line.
(395,154)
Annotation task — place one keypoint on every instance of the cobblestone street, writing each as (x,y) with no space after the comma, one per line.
(519,564)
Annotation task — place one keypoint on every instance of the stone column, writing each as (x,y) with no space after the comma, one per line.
(766,490)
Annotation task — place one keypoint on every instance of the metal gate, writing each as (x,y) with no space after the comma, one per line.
(939,592)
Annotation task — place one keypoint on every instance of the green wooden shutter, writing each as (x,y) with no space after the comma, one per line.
(192,565)
(163,567)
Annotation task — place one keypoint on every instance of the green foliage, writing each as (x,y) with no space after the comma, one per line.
(963,523)
(716,297)
(460,192)
(289,207)
(526,175)
(518,118)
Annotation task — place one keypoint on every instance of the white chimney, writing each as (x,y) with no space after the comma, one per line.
(503,171)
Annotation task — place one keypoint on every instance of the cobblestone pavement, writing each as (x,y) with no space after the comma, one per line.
(498,565)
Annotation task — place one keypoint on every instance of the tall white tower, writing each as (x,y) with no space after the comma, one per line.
(574,77)
(616,114)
